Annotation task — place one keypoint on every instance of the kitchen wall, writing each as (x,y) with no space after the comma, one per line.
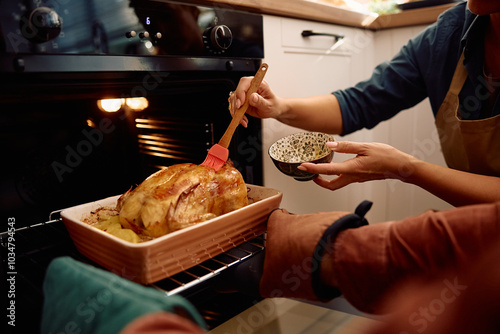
(412,131)
(304,67)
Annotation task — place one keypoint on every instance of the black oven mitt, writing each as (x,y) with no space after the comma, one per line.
(80,298)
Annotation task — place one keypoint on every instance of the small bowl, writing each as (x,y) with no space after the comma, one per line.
(289,152)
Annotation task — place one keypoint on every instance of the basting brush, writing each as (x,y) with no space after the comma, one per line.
(219,153)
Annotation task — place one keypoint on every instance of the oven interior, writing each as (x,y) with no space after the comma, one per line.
(67,151)
(63,150)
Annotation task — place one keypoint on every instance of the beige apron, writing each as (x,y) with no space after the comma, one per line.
(468,145)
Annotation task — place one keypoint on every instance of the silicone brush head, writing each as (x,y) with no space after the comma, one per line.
(216,157)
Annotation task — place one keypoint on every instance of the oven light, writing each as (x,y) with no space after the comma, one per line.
(110,105)
(137,103)
(132,103)
(91,123)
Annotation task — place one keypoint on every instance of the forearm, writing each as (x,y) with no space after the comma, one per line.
(367,262)
(456,187)
(317,113)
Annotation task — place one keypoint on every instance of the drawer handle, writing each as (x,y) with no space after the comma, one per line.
(339,39)
(307,33)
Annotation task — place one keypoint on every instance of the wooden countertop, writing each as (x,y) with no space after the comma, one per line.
(321,12)
(410,17)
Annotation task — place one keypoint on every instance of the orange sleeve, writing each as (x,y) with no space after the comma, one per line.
(371,260)
(160,323)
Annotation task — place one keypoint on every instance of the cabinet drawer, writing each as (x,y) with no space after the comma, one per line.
(292,36)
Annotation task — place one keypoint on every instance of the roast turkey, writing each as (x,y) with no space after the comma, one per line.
(179,196)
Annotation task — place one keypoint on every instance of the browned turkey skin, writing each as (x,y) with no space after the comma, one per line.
(179,196)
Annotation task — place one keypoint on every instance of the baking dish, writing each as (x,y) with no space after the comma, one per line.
(156,259)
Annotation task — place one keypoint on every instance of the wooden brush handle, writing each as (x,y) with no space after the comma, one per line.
(238,115)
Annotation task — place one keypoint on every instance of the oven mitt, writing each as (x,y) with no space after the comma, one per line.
(294,248)
(79,298)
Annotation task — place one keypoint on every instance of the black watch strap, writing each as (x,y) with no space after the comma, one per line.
(353,220)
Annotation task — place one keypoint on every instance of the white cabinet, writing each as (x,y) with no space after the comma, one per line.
(304,67)
(309,66)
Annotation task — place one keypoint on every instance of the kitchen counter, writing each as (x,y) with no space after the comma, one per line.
(426,15)
(281,315)
(322,12)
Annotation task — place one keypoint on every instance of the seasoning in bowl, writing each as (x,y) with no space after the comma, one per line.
(291,151)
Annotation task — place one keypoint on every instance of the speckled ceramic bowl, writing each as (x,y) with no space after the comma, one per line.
(289,152)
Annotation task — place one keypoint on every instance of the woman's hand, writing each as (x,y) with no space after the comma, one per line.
(314,113)
(263,104)
(373,161)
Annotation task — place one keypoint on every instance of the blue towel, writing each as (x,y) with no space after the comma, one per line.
(80,298)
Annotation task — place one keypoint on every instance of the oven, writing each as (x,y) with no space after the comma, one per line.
(97,95)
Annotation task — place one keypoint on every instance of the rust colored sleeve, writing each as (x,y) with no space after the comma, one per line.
(160,323)
(370,261)
(290,243)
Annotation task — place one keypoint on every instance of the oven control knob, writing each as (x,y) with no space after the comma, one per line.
(218,38)
(41,25)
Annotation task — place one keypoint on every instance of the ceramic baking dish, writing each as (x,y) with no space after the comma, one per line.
(154,260)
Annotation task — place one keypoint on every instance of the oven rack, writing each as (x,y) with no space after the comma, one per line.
(40,243)
(204,271)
